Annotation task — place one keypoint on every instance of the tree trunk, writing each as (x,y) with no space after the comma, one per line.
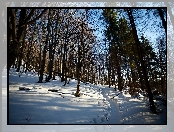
(120,87)
(21,49)
(63,63)
(141,79)
(152,106)
(117,59)
(50,62)
(14,36)
(42,64)
(11,59)
(44,52)
(77,94)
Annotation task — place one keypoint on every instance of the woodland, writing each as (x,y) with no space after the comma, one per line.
(92,45)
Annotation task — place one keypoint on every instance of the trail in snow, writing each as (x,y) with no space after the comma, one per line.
(113,106)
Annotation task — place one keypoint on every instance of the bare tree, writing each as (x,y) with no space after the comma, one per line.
(45,41)
(18,19)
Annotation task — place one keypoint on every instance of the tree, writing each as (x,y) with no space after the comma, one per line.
(152,106)
(18,19)
(85,42)
(45,41)
(53,38)
(162,65)
(116,33)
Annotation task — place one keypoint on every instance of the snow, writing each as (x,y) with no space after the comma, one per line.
(40,106)
(34,103)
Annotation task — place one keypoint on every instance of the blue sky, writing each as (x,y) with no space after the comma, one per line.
(152,31)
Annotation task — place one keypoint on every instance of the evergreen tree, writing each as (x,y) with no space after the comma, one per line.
(152,106)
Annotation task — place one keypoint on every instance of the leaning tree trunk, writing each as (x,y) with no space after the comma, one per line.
(152,105)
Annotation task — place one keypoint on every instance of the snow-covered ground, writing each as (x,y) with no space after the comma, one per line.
(98,104)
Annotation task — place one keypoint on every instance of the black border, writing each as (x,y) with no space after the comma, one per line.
(77,8)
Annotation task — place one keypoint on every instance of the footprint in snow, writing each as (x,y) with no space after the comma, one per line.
(102,119)
(94,120)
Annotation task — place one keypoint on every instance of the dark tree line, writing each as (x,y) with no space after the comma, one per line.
(128,53)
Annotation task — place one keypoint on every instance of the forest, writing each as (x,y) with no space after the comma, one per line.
(107,46)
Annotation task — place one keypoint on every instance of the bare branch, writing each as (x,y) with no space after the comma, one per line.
(32,21)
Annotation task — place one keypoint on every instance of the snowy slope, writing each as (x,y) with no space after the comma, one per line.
(85,128)
(96,105)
